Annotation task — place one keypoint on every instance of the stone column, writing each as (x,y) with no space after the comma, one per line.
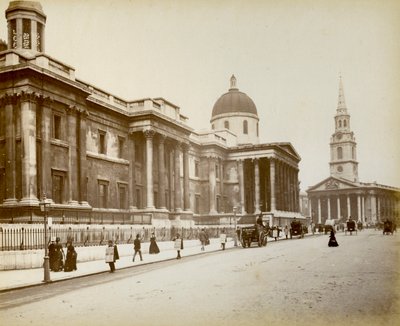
(212,182)
(72,155)
(348,206)
(10,102)
(363,209)
(161,171)
(241,184)
(178,189)
(378,210)
(28,148)
(82,162)
(272,176)
(45,134)
(338,207)
(358,208)
(319,211)
(329,208)
(149,134)
(257,186)
(373,208)
(132,172)
(186,190)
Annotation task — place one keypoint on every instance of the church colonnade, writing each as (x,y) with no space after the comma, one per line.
(367,207)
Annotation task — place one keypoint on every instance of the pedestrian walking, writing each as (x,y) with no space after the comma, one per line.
(58,263)
(332,240)
(203,238)
(111,255)
(178,245)
(136,247)
(222,238)
(70,260)
(153,249)
(52,253)
(286,231)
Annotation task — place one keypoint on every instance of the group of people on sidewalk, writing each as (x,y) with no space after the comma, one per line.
(57,256)
(112,250)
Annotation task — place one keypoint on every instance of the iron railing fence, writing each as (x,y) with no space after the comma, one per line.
(71,216)
(32,236)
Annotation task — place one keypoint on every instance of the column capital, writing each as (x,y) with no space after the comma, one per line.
(28,96)
(178,145)
(71,109)
(46,101)
(149,133)
(161,138)
(8,99)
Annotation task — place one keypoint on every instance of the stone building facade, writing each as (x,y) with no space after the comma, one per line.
(342,195)
(97,157)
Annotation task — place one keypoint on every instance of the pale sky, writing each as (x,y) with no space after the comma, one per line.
(286,55)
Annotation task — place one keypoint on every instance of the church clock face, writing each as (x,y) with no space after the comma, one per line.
(339,136)
(340,168)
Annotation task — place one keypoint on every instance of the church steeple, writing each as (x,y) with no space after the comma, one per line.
(343,144)
(341,102)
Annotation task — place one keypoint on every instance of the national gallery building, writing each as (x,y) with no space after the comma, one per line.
(342,195)
(96,157)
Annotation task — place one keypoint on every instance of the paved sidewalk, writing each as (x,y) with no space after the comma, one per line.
(15,279)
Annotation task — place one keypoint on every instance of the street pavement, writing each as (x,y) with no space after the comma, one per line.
(14,279)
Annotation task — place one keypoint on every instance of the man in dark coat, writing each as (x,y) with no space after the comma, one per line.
(136,247)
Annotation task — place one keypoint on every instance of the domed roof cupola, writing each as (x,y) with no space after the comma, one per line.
(234,101)
(236,112)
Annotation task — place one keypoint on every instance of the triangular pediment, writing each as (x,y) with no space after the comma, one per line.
(332,183)
(288,148)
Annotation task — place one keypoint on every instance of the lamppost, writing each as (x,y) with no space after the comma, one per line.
(44,207)
(234,220)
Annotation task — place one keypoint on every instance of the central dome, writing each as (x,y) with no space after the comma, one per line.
(234,101)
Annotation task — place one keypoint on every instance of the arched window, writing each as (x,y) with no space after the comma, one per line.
(257,130)
(340,123)
(245,127)
(212,127)
(353,152)
(344,123)
(340,153)
(226,124)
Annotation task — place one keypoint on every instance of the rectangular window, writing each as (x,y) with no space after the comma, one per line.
(57,126)
(102,194)
(218,204)
(197,204)
(39,36)
(26,33)
(12,37)
(58,178)
(102,142)
(121,143)
(196,169)
(138,198)
(217,171)
(122,196)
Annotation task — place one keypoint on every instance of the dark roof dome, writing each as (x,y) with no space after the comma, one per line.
(234,101)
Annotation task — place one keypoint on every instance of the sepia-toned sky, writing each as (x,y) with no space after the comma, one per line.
(287,56)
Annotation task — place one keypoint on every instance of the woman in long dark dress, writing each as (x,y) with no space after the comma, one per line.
(153,245)
(70,261)
(332,240)
(58,256)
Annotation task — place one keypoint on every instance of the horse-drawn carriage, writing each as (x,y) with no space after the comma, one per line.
(388,227)
(350,227)
(296,229)
(255,233)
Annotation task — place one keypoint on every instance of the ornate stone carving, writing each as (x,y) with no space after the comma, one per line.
(332,184)
(149,133)
(28,97)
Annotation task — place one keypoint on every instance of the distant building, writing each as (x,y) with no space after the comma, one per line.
(101,159)
(342,195)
